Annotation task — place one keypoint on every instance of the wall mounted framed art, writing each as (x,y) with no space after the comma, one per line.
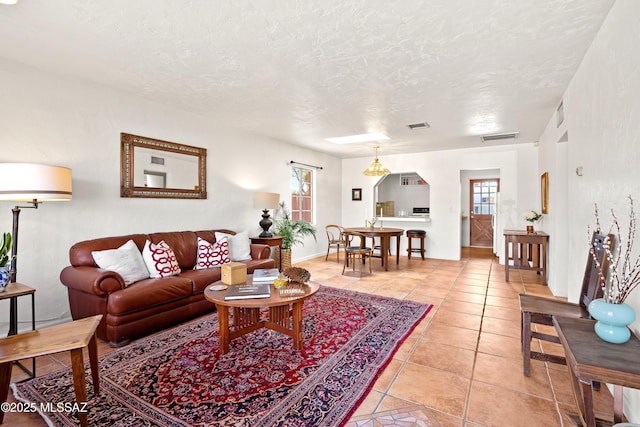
(544,193)
(356,194)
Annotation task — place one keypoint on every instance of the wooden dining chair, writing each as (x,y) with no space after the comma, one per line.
(540,310)
(334,237)
(356,252)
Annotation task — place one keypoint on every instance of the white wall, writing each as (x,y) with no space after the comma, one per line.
(602,113)
(441,169)
(54,120)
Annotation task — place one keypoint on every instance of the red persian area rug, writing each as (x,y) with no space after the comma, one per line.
(178,378)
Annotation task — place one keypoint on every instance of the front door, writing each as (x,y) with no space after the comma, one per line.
(482,207)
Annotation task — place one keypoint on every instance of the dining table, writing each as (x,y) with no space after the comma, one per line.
(385,234)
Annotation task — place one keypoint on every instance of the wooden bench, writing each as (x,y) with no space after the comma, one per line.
(71,336)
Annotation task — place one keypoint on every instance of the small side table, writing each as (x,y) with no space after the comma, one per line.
(72,337)
(589,358)
(12,292)
(274,241)
(528,251)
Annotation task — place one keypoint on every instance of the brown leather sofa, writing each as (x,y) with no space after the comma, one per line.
(150,304)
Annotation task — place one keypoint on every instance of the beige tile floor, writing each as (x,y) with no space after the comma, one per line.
(461,366)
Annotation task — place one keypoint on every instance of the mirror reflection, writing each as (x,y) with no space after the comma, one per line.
(158,169)
(155,168)
(155,179)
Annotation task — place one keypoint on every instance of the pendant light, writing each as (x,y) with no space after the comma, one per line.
(376,168)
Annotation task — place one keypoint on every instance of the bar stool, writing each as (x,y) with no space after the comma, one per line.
(416,234)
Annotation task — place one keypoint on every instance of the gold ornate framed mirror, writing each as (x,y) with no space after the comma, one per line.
(161,169)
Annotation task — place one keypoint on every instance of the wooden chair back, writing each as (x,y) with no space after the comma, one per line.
(355,249)
(334,233)
(592,281)
(348,238)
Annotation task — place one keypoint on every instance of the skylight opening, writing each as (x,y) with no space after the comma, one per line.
(365,137)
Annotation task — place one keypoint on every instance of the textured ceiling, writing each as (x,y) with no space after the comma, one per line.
(301,71)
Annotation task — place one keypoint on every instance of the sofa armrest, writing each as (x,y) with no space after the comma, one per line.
(91,280)
(259,251)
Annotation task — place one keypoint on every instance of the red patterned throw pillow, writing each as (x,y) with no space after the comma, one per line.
(160,260)
(212,255)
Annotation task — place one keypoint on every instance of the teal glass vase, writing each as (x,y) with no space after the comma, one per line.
(612,320)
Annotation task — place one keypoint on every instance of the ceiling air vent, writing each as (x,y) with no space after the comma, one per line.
(422,125)
(499,137)
(157,160)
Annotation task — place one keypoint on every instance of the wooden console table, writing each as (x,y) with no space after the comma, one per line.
(589,358)
(528,251)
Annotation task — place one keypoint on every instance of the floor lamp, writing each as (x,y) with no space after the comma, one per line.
(31,183)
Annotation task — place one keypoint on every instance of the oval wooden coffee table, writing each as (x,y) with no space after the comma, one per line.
(285,312)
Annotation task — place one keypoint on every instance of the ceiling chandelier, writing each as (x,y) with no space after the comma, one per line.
(376,168)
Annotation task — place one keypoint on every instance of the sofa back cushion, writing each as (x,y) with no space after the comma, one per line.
(183,243)
(80,253)
(210,235)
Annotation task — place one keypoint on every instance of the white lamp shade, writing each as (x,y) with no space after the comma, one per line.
(266,200)
(29,181)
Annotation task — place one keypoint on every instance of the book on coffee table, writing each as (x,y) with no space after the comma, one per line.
(268,275)
(255,290)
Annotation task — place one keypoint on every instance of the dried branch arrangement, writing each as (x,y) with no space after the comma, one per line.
(624,274)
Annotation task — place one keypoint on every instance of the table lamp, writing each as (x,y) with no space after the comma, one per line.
(266,201)
(31,183)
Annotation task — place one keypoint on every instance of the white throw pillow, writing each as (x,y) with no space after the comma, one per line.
(239,245)
(160,260)
(126,261)
(212,255)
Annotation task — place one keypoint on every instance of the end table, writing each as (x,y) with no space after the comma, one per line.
(12,292)
(273,241)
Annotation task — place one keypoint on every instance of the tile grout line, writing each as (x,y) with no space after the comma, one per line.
(475,353)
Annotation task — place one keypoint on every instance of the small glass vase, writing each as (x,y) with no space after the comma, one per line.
(530,229)
(612,320)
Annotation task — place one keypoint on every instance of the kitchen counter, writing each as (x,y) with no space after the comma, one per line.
(404,219)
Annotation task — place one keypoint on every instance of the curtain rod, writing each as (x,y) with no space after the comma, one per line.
(291,162)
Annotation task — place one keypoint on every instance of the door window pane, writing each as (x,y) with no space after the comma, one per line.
(484,197)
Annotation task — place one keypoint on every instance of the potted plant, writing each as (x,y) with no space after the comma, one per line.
(292,233)
(5,259)
(622,277)
(531,217)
